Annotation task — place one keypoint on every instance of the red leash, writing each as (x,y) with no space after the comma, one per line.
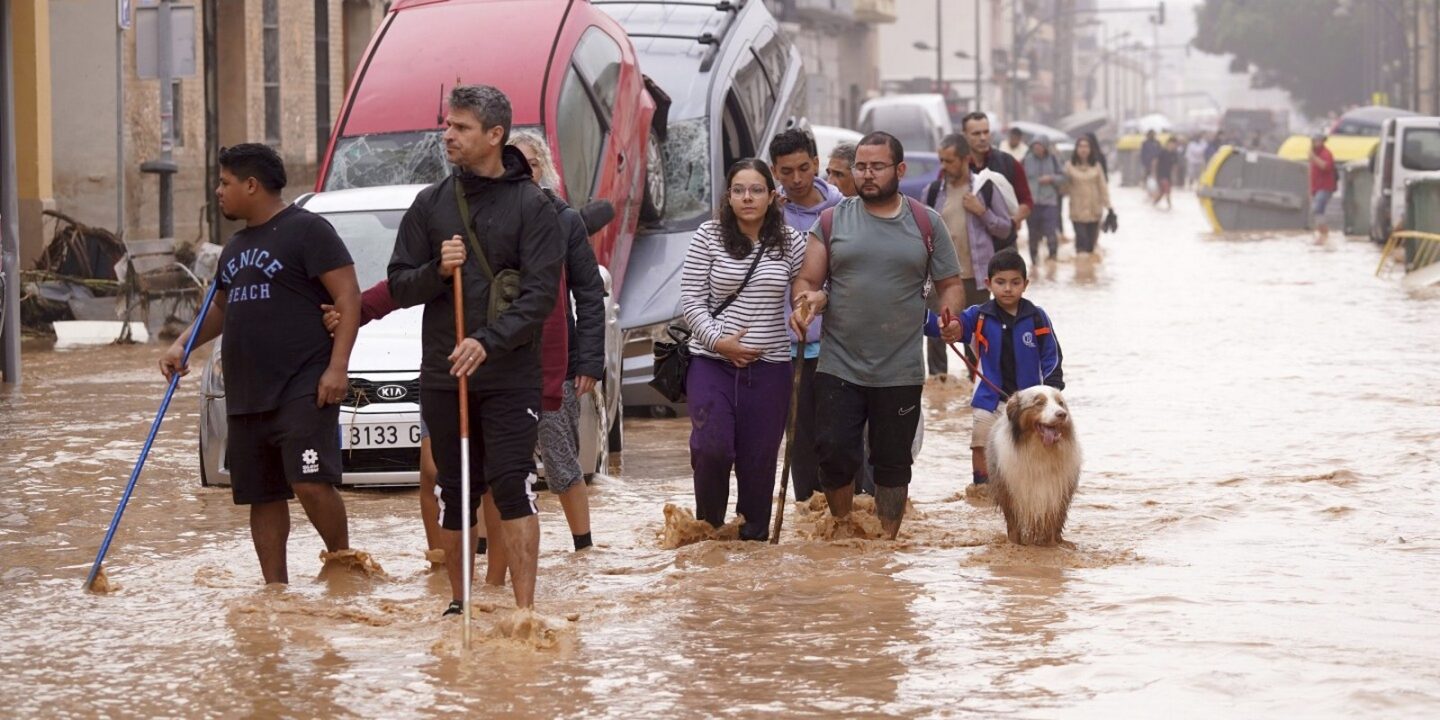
(945,319)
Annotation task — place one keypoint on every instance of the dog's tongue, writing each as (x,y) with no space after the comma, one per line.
(1049,435)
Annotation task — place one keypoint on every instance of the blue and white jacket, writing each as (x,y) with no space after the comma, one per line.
(1037,351)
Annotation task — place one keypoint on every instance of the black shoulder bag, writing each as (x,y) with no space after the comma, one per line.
(505,286)
(672,359)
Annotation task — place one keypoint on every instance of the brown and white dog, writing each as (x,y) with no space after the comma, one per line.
(1034,463)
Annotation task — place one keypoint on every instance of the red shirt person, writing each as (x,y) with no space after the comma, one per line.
(1324,181)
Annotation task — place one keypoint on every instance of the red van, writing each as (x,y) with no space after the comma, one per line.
(553,58)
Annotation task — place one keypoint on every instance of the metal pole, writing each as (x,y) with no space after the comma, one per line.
(977,55)
(210,23)
(939,54)
(119,130)
(9,210)
(167,119)
(1105,58)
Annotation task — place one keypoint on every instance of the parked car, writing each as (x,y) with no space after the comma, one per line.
(826,138)
(1409,150)
(734,81)
(920,121)
(554,59)
(380,417)
(1366,121)
(920,169)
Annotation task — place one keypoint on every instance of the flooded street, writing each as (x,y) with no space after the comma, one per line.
(1256,531)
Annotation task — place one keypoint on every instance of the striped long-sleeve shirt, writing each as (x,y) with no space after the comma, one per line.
(711,275)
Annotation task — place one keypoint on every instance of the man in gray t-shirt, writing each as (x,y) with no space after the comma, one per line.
(871,364)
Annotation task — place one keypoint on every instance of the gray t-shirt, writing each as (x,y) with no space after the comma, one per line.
(875,319)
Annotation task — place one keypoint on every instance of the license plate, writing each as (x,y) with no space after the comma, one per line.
(379,435)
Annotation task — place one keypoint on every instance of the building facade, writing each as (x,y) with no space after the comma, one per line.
(272,71)
(838,44)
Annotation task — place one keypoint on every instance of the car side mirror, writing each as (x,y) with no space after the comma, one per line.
(596,215)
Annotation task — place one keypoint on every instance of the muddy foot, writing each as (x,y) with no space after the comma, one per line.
(358,561)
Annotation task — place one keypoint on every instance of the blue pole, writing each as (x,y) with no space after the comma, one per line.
(154,428)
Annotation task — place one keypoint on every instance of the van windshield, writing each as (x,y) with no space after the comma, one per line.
(403,158)
(1421,149)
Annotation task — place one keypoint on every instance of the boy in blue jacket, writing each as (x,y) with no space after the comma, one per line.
(1017,349)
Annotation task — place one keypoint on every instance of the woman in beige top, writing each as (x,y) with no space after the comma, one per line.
(1089,195)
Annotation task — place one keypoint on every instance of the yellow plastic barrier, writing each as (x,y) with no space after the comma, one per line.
(1345,148)
(1426,254)
(1207,179)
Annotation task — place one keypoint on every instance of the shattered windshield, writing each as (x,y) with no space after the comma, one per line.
(687,171)
(404,158)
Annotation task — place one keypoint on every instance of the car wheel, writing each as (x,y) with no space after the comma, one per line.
(652,208)
(204,479)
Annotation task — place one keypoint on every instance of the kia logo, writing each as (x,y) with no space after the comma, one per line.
(390,392)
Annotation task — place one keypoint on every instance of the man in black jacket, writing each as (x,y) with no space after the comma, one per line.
(514,224)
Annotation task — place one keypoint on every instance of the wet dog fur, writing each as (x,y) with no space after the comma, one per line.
(1034,463)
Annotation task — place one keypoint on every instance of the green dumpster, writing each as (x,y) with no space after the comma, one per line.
(1422,213)
(1357,180)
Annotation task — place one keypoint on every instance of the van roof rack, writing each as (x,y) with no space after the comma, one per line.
(720,5)
(713,40)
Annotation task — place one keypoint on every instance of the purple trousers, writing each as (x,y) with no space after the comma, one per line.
(737,420)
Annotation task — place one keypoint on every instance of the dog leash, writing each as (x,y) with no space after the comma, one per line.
(945,318)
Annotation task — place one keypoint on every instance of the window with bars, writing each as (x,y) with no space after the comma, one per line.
(270,48)
(322,75)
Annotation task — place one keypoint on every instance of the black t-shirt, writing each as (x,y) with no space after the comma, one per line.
(275,347)
(1008,383)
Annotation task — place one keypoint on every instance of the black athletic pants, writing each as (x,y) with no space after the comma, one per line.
(842,410)
(504,425)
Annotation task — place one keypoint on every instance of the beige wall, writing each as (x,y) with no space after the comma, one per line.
(82,121)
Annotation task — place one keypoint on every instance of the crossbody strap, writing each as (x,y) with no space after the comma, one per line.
(470,231)
(759,251)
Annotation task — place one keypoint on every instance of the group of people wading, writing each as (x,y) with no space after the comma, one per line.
(843,277)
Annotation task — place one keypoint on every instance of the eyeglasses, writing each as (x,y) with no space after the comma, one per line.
(871,168)
(740,191)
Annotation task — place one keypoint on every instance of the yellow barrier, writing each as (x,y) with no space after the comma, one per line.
(1207,179)
(1427,254)
(1345,148)
(1133,141)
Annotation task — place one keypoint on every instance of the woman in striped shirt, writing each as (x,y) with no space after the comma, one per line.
(733,296)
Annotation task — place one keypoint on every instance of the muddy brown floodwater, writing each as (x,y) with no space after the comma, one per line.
(1256,530)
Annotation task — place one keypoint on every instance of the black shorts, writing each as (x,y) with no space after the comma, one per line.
(268,451)
(504,427)
(842,411)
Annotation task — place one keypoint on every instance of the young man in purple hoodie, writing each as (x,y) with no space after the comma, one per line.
(796,164)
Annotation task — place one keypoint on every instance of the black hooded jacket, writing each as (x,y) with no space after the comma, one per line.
(582,278)
(516,226)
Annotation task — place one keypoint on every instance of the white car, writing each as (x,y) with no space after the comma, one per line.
(380,417)
(827,137)
(920,121)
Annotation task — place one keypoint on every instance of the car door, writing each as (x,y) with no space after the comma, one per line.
(590,132)
(1380,192)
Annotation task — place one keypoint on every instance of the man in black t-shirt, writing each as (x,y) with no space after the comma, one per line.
(284,375)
